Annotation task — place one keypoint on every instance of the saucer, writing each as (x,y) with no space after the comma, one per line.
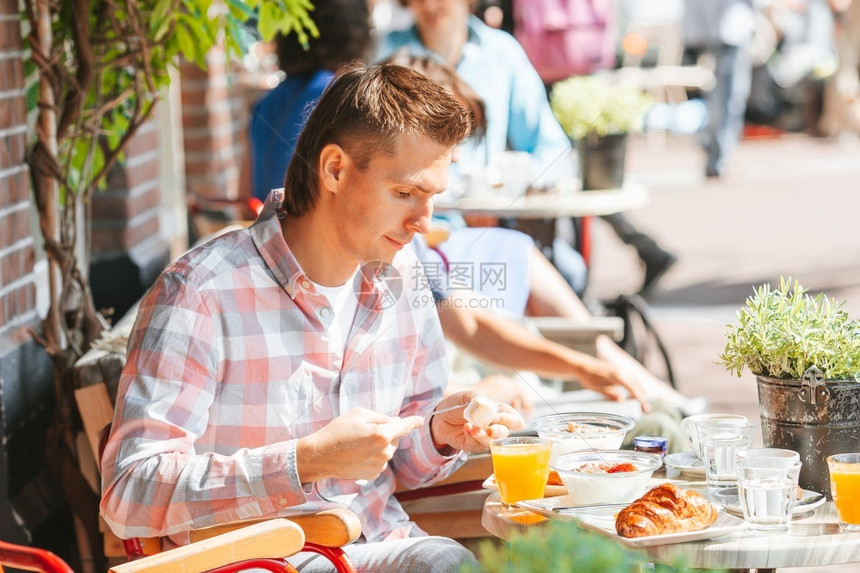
(686,462)
(728,498)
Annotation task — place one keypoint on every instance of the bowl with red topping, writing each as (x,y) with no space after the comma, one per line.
(605,476)
(575,431)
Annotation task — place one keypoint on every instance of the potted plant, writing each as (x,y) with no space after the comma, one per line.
(805,354)
(597,116)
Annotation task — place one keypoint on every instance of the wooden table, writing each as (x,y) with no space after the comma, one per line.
(535,214)
(813,540)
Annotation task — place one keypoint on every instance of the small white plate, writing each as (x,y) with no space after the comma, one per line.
(602,520)
(550,491)
(686,462)
(728,498)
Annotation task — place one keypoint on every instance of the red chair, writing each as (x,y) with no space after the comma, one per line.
(227,553)
(31,559)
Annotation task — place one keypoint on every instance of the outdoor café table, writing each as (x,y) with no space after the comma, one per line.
(814,540)
(535,213)
(554,204)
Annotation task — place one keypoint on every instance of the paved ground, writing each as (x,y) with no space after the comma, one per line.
(789,206)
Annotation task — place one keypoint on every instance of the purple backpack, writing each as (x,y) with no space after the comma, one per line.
(566,37)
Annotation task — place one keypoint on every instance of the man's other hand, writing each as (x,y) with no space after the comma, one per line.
(355,445)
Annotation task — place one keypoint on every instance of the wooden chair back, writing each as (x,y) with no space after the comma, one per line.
(323,532)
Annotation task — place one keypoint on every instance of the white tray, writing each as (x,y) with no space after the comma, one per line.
(601,519)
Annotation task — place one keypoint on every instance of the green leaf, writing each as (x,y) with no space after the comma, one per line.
(268,23)
(185,42)
(242,11)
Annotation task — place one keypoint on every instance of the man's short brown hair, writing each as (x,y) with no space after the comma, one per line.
(364,110)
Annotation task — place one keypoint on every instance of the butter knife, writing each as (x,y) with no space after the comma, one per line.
(443,410)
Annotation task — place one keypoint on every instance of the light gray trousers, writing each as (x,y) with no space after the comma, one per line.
(412,555)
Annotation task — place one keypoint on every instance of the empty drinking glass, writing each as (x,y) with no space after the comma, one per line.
(721,440)
(690,426)
(767,487)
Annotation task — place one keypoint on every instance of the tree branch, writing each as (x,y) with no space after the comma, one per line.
(71,107)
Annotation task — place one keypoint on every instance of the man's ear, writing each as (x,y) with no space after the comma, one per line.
(332,161)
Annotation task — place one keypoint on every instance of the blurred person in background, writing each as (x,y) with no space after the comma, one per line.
(722,29)
(841,99)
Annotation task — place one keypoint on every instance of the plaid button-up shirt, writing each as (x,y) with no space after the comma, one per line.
(229,363)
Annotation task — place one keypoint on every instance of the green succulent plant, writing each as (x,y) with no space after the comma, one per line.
(587,105)
(783,332)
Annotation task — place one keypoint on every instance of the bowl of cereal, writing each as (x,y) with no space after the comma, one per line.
(605,476)
(575,431)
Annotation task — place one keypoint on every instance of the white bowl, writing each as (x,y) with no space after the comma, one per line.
(586,488)
(593,431)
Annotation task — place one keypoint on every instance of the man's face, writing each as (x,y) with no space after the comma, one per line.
(439,14)
(377,211)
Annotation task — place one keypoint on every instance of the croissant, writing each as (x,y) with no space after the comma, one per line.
(665,509)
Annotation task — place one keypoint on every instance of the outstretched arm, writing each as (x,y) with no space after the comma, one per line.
(505,343)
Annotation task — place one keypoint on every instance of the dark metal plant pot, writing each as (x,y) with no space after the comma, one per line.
(601,161)
(812,416)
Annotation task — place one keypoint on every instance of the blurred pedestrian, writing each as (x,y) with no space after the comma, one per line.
(724,30)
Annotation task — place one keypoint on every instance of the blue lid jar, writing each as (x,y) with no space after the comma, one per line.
(650,444)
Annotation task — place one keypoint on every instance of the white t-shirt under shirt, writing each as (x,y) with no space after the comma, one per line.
(344,303)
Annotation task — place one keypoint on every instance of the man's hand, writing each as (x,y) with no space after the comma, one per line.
(356,445)
(452,429)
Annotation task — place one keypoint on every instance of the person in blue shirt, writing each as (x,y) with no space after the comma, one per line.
(277,119)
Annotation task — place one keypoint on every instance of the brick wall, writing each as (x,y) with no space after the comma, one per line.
(128,251)
(126,213)
(17,283)
(25,370)
(214,113)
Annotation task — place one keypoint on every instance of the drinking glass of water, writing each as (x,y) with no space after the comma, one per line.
(767,487)
(721,440)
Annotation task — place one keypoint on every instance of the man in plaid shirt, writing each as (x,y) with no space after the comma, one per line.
(266,374)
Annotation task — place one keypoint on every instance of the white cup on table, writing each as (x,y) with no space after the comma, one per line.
(512,172)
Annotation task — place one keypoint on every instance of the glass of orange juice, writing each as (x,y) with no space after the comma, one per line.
(845,489)
(521,467)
